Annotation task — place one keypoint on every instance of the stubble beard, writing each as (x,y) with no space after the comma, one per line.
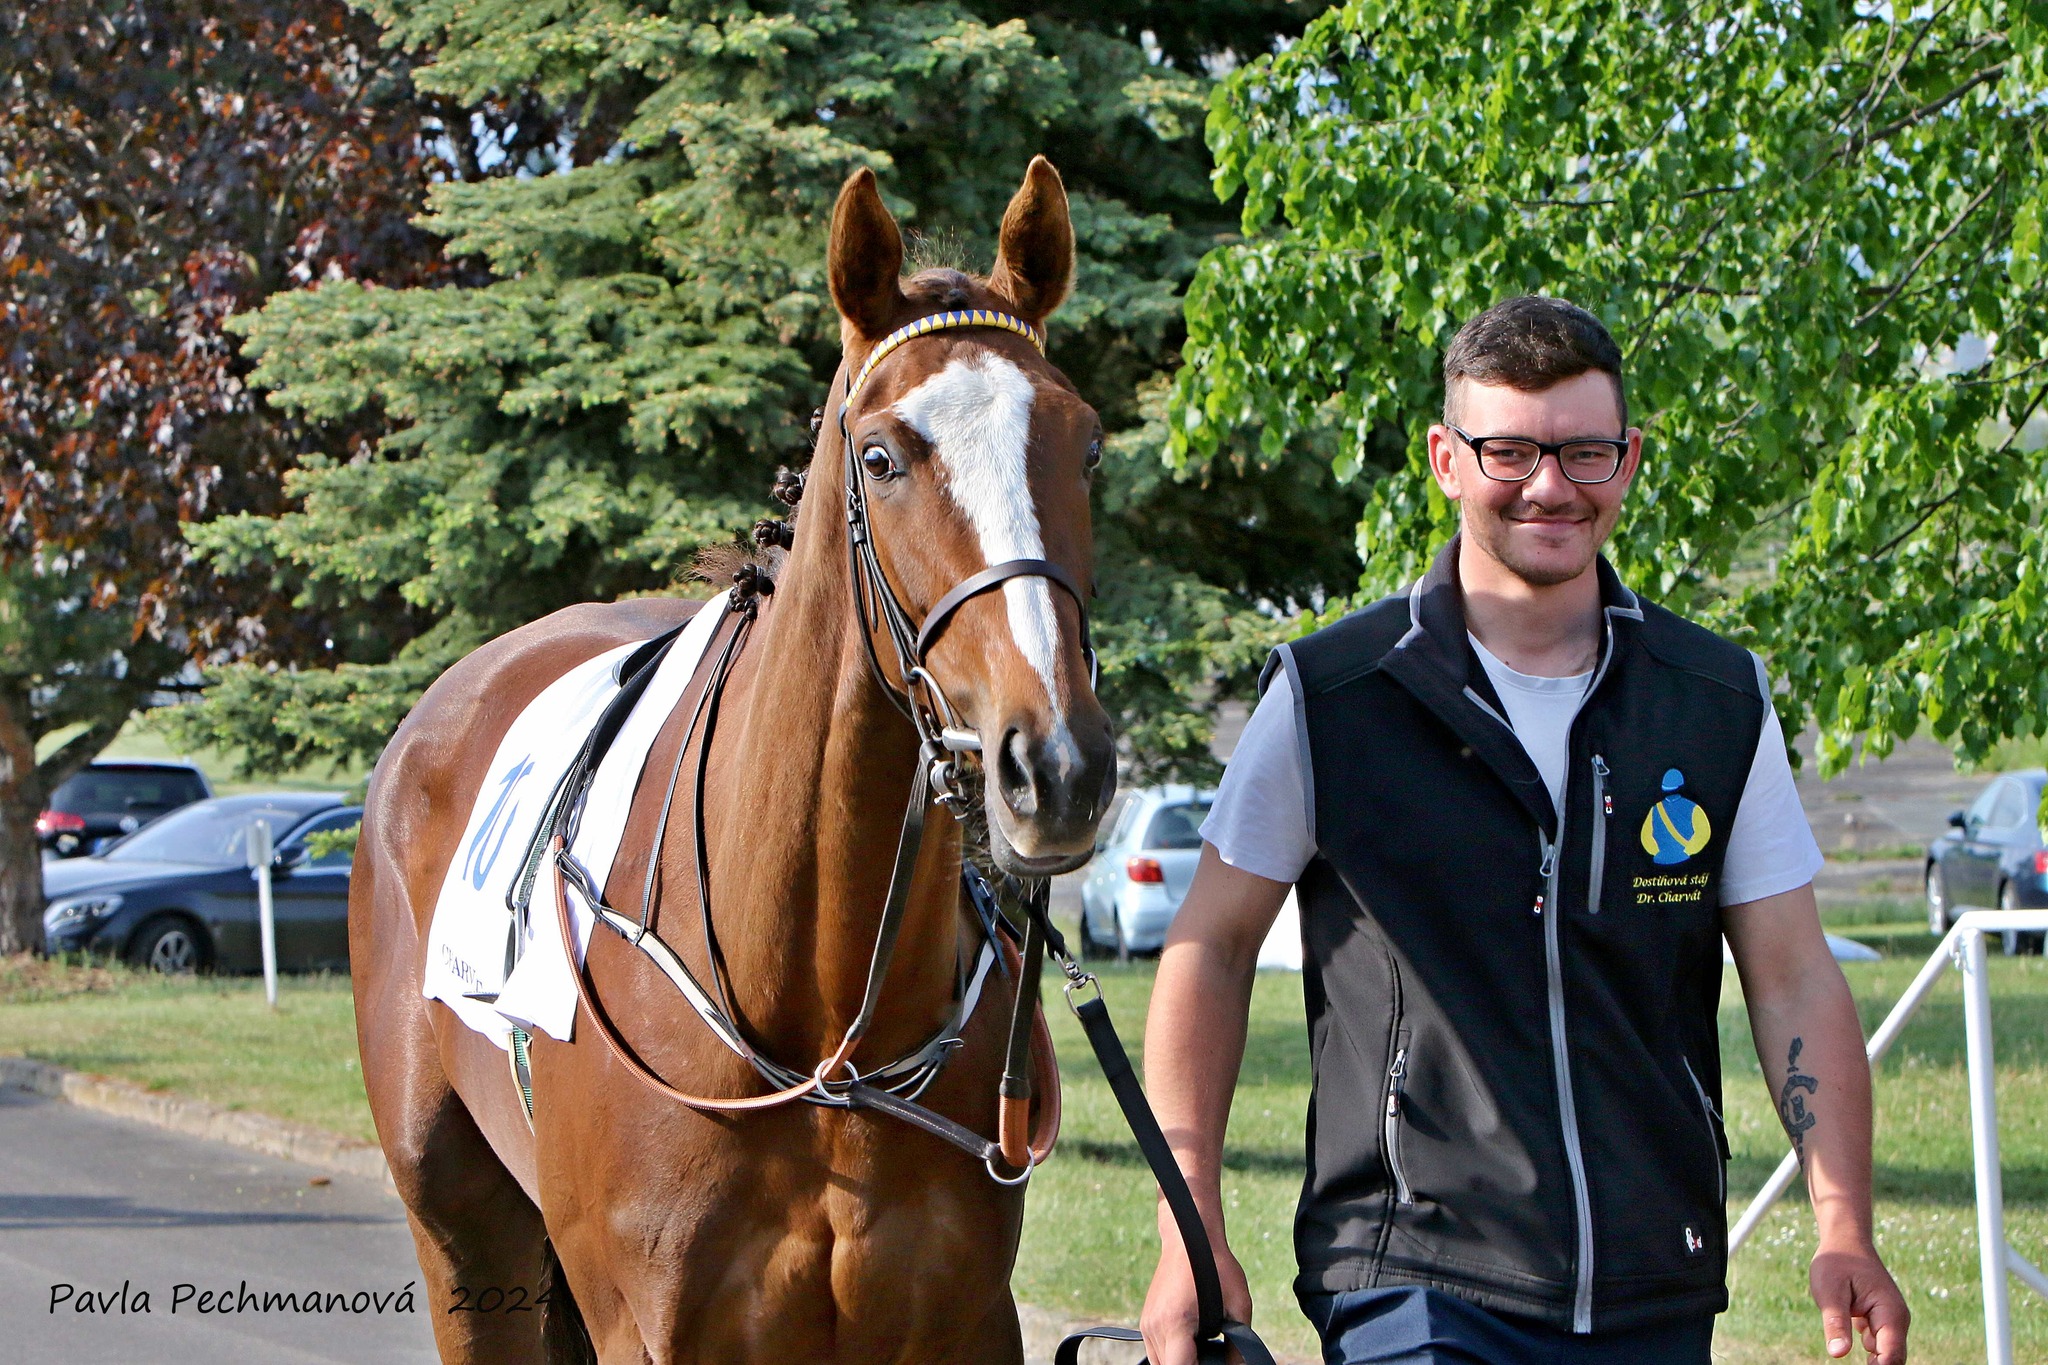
(1493,533)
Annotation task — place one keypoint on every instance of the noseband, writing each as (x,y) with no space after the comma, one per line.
(940,730)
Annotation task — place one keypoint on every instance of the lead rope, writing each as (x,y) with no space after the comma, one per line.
(1215,1331)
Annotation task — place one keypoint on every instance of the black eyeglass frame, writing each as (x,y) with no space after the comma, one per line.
(1554,449)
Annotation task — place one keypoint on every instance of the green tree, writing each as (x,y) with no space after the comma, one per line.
(1816,229)
(162,164)
(655,332)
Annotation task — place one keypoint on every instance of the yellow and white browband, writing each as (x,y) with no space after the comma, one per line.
(939,322)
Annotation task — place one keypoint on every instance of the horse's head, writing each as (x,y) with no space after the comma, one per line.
(971,450)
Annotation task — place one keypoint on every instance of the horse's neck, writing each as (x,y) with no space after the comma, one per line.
(806,824)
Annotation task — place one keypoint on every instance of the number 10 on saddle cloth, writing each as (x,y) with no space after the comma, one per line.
(470,941)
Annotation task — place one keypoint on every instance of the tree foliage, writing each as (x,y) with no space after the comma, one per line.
(163,164)
(1816,230)
(655,330)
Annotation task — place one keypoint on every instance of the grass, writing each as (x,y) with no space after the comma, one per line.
(1089,1244)
(207,1037)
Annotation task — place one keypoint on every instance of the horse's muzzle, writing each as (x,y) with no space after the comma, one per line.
(1048,790)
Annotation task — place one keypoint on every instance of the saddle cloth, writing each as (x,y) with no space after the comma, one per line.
(470,940)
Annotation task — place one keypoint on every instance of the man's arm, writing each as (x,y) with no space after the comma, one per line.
(1811,1045)
(1194,1044)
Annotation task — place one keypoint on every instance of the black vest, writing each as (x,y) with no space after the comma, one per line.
(1512,1017)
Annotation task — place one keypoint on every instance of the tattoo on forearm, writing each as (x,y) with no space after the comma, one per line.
(1792,1100)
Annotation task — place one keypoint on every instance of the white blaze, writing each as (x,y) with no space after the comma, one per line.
(976,416)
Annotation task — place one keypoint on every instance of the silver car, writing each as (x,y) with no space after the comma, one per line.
(1141,871)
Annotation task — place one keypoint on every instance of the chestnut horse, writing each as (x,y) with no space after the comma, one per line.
(803,1232)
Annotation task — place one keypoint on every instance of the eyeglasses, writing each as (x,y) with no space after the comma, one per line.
(1513,459)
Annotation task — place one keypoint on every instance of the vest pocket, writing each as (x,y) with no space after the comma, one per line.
(1390,1130)
(1717,1142)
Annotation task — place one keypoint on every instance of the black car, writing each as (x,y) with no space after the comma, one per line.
(1992,858)
(178,895)
(111,797)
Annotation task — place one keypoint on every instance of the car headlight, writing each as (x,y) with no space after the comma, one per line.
(76,908)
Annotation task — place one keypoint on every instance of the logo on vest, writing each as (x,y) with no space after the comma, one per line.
(1676,827)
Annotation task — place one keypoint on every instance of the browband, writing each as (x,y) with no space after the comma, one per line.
(939,322)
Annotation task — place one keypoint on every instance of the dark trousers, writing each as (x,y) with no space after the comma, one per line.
(1414,1326)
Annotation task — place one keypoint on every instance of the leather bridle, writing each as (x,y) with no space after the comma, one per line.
(939,729)
(835,1081)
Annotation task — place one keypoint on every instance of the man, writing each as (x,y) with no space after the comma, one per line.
(1521,806)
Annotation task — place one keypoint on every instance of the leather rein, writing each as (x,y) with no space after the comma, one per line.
(835,1081)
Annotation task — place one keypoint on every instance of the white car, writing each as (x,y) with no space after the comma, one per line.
(1141,871)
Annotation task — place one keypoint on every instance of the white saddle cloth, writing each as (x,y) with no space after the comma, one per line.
(472,924)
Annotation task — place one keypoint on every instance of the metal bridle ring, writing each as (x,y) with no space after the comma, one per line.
(988,1163)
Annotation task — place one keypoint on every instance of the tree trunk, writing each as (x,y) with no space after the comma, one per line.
(21,857)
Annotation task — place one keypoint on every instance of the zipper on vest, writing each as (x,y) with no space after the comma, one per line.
(1713,1129)
(1567,1106)
(1390,1131)
(1560,1050)
(1603,809)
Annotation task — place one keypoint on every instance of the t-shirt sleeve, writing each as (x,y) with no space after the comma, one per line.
(1771,848)
(1259,822)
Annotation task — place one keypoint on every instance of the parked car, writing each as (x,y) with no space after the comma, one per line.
(1141,871)
(1992,858)
(178,894)
(110,797)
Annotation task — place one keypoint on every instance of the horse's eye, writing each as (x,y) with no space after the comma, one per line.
(879,463)
(1094,455)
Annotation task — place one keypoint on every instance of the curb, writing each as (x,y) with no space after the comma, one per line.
(196,1118)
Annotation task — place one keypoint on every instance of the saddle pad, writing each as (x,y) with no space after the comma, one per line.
(470,938)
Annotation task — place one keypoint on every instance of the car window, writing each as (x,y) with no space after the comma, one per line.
(117,791)
(1125,821)
(1980,812)
(208,834)
(2008,807)
(340,853)
(1176,827)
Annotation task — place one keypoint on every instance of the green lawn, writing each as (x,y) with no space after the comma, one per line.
(211,1038)
(1089,1243)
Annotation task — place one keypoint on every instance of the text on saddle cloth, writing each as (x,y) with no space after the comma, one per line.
(472,927)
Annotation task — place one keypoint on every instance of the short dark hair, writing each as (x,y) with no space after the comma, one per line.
(1531,343)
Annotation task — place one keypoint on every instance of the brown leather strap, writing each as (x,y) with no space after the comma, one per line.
(634,1066)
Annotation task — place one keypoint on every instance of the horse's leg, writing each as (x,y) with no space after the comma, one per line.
(472,1224)
(998,1339)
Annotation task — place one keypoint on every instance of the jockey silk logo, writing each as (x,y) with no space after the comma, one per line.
(1675,827)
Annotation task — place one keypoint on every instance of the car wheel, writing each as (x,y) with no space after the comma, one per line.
(170,944)
(2018,942)
(1939,920)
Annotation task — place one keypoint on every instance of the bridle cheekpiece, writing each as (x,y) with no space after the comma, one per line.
(941,732)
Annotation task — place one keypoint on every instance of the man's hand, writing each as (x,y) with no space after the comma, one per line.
(1168,1321)
(1851,1285)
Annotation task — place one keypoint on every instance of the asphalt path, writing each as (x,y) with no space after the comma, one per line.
(98,1203)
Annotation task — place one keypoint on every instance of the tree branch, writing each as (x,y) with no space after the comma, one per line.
(1932,247)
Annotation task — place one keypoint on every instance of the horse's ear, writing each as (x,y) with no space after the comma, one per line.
(865,258)
(1035,262)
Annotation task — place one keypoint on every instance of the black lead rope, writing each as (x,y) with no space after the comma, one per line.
(1215,1331)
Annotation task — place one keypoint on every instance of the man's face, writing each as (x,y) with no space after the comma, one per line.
(1545,529)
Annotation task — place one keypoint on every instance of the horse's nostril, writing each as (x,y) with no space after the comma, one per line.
(1013,774)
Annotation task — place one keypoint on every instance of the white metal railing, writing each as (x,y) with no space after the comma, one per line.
(1964,947)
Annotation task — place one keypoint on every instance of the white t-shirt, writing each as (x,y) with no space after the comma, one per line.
(1260,820)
